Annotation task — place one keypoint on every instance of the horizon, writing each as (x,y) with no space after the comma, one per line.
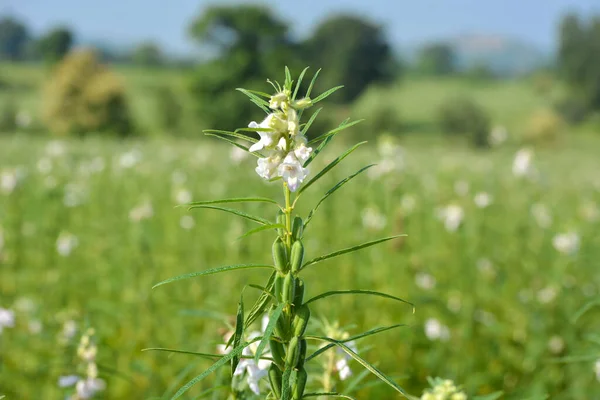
(407,25)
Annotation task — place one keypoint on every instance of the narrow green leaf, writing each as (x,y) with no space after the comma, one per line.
(583,310)
(255,99)
(224,360)
(235,200)
(193,353)
(261,304)
(310,121)
(329,394)
(262,289)
(330,166)
(355,337)
(359,291)
(312,83)
(239,213)
(286,393)
(229,133)
(491,396)
(319,149)
(211,272)
(238,334)
(299,83)
(326,94)
(355,383)
(263,94)
(350,250)
(335,131)
(262,228)
(332,190)
(374,370)
(236,144)
(288,78)
(212,390)
(577,359)
(269,330)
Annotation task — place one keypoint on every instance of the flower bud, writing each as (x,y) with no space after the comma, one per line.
(293,352)
(300,321)
(280,256)
(299,293)
(297,256)
(297,228)
(289,288)
(298,389)
(302,103)
(277,351)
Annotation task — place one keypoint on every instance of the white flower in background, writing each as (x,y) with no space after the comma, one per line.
(255,370)
(443,389)
(556,344)
(187,222)
(141,212)
(9,179)
(342,365)
(75,194)
(182,196)
(408,203)
(237,155)
(498,135)
(56,148)
(292,172)
(392,158)
(129,159)
(69,330)
(566,243)
(66,243)
(541,215)
(85,387)
(7,319)
(522,162)
(482,199)
(44,166)
(461,188)
(597,369)
(452,215)
(373,219)
(547,295)
(435,330)
(425,281)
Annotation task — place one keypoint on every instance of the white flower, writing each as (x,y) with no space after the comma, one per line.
(522,162)
(68,380)
(182,196)
(69,330)
(7,319)
(130,159)
(556,344)
(56,148)
(341,365)
(302,152)
(293,125)
(566,243)
(187,222)
(435,330)
(597,369)
(87,388)
(267,166)
(141,212)
(275,126)
(255,371)
(452,215)
(373,219)
(292,172)
(482,199)
(65,243)
(546,295)
(8,181)
(425,281)
(542,215)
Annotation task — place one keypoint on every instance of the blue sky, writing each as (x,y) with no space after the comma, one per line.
(408,22)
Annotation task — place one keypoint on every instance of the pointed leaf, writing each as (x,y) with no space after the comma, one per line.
(240,146)
(239,333)
(263,94)
(239,213)
(374,370)
(211,272)
(235,200)
(256,100)
(310,88)
(330,166)
(269,331)
(262,228)
(319,149)
(359,291)
(262,302)
(326,94)
(299,83)
(583,310)
(310,121)
(288,79)
(262,289)
(355,337)
(232,134)
(350,250)
(224,360)
(335,131)
(329,394)
(332,190)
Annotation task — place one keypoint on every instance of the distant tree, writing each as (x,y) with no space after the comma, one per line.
(249,43)
(352,51)
(148,53)
(14,38)
(55,44)
(437,59)
(579,57)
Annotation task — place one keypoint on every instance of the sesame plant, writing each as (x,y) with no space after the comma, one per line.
(285,155)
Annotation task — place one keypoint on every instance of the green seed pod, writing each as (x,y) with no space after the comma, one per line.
(293,353)
(275,378)
(298,389)
(277,351)
(289,288)
(297,256)
(299,293)
(280,256)
(297,228)
(302,346)
(281,221)
(278,286)
(300,321)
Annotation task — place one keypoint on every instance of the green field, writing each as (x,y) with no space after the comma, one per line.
(503,296)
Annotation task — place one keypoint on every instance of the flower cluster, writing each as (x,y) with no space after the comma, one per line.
(85,387)
(443,389)
(281,140)
(7,319)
